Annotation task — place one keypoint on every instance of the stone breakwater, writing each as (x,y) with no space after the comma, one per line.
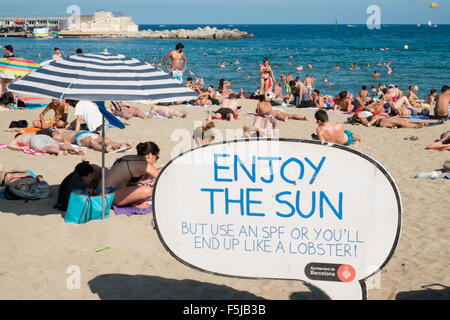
(206,33)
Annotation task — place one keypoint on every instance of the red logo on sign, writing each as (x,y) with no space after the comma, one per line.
(346,273)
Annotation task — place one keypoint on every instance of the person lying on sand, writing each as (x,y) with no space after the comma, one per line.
(443,143)
(204,134)
(344,101)
(167,112)
(42,141)
(121,109)
(264,108)
(13,177)
(262,126)
(133,176)
(21,184)
(228,109)
(335,133)
(60,108)
(89,140)
(368,119)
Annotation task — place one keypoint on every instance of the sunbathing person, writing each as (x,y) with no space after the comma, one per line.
(13,176)
(228,109)
(89,140)
(368,119)
(21,184)
(335,133)
(264,127)
(344,101)
(167,112)
(325,102)
(133,176)
(204,99)
(121,109)
(264,108)
(204,134)
(441,144)
(43,142)
(60,108)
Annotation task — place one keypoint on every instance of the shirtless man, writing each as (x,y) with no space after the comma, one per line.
(42,143)
(375,75)
(177,57)
(264,108)
(442,108)
(309,84)
(89,140)
(335,133)
(228,109)
(299,91)
(60,119)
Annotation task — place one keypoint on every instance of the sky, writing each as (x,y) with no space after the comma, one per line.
(242,11)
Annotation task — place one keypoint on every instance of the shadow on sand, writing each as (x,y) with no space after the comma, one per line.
(41,207)
(142,287)
(435,291)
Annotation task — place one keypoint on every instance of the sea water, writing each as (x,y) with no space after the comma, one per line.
(426,63)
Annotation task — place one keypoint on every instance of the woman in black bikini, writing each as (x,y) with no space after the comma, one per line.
(266,73)
(133,176)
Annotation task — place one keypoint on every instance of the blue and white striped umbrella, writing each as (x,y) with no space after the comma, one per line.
(102,77)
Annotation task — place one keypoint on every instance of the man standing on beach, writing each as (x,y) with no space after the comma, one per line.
(442,108)
(176,56)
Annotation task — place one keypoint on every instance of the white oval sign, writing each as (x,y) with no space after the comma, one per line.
(280,208)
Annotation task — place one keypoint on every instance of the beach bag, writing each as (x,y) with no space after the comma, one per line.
(84,207)
(307,104)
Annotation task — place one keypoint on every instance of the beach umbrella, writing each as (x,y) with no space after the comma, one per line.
(433,4)
(12,67)
(103,77)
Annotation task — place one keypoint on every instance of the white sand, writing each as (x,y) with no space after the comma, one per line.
(38,246)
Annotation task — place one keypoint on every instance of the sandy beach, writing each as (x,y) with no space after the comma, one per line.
(38,247)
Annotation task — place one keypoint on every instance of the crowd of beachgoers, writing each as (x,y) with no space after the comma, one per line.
(133,176)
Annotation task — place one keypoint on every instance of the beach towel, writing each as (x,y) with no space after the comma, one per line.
(424,117)
(27,151)
(31,106)
(129,211)
(204,106)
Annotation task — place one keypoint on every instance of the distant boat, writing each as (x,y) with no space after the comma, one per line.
(429,23)
(418,25)
(435,26)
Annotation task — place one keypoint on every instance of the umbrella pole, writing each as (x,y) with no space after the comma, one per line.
(103,167)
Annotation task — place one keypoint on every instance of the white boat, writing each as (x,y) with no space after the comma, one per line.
(418,25)
(429,23)
(435,26)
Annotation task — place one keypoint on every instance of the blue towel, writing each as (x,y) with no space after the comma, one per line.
(423,117)
(33,106)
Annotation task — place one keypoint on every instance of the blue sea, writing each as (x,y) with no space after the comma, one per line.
(426,63)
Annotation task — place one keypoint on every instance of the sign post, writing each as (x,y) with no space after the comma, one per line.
(280,209)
